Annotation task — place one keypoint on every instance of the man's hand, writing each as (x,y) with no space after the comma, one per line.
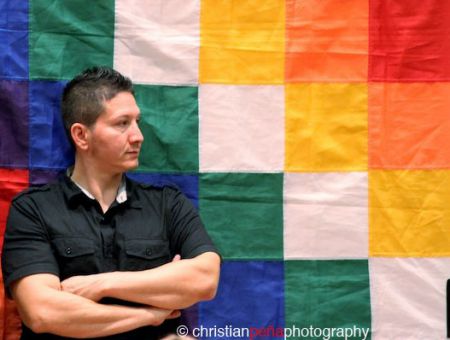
(87,286)
(160,315)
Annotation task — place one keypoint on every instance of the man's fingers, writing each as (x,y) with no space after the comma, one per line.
(175,314)
(177,257)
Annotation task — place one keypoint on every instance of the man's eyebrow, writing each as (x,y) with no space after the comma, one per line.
(128,115)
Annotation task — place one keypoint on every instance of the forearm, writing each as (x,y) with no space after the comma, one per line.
(73,316)
(62,313)
(175,285)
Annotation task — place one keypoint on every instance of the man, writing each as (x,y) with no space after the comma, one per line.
(97,254)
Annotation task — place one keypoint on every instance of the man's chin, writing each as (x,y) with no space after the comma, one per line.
(130,166)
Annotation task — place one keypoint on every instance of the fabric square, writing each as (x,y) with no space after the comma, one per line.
(408,298)
(14,39)
(409,40)
(157,41)
(326,40)
(243,213)
(13,123)
(325,215)
(241,128)
(11,323)
(408,125)
(328,294)
(67,37)
(326,127)
(408,213)
(190,317)
(169,123)
(45,176)
(49,145)
(239,301)
(188,184)
(242,42)
(12,181)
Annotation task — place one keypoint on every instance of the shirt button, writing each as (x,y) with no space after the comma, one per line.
(148,251)
(68,250)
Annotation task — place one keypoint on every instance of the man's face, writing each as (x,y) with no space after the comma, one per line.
(115,138)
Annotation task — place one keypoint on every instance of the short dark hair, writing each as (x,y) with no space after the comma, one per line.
(83,97)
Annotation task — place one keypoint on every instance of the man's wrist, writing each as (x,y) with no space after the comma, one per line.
(105,285)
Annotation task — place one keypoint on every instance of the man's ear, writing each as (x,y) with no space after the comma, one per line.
(80,135)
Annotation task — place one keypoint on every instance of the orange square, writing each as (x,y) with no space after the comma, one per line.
(327,40)
(409,125)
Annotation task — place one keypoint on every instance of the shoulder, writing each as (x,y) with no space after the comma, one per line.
(37,193)
(157,187)
(32,192)
(157,192)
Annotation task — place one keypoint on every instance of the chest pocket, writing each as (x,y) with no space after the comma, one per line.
(144,254)
(76,256)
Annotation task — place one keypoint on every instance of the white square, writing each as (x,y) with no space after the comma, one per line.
(241,128)
(325,215)
(157,41)
(408,298)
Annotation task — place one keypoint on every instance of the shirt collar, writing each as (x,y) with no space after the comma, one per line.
(121,192)
(121,195)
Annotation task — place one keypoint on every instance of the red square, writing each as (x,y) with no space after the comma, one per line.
(409,40)
(12,181)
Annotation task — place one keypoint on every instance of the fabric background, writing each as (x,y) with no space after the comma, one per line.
(313,136)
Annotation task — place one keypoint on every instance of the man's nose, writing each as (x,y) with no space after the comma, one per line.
(136,134)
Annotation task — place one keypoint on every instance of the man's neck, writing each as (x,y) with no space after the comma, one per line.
(103,186)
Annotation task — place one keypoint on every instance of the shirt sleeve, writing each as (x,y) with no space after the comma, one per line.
(26,247)
(188,236)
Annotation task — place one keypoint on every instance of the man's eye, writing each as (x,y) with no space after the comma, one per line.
(123,123)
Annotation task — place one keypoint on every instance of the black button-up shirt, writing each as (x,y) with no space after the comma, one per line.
(58,229)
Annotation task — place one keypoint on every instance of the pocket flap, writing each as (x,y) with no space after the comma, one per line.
(74,246)
(147,249)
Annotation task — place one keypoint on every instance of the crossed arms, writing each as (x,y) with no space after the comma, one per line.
(70,308)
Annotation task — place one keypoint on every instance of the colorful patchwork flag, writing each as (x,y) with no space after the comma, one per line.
(312,135)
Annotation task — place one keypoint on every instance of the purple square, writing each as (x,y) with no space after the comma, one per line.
(44,176)
(14,123)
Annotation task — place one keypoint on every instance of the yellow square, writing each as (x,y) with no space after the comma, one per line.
(242,41)
(408,213)
(326,127)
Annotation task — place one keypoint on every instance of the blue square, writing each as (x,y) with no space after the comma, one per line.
(49,146)
(250,295)
(14,39)
(188,184)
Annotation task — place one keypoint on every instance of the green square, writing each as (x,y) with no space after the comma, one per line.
(66,37)
(243,213)
(328,294)
(169,123)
